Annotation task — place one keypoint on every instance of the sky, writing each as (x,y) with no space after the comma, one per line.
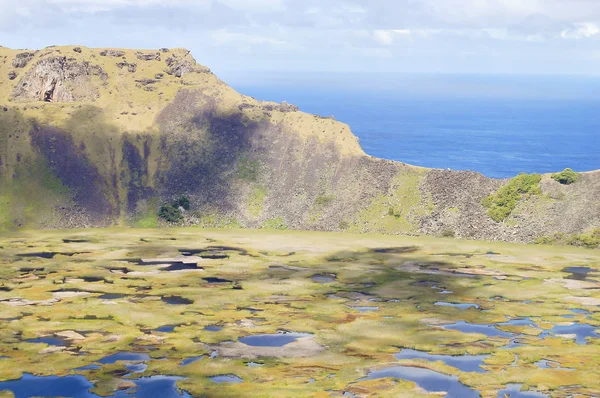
(235,37)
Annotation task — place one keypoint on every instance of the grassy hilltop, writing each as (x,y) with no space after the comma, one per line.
(99,137)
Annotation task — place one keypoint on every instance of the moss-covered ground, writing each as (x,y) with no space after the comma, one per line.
(106,291)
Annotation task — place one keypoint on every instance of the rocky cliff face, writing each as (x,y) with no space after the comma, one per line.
(92,137)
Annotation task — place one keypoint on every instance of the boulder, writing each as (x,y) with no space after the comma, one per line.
(130,67)
(145,82)
(22,59)
(112,53)
(148,57)
(180,66)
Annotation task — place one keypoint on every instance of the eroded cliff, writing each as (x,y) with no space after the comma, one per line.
(92,137)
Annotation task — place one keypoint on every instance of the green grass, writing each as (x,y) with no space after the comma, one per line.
(256,200)
(274,223)
(30,200)
(149,221)
(248,169)
(397,210)
(501,204)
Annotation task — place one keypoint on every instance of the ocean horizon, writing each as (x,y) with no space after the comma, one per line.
(499,125)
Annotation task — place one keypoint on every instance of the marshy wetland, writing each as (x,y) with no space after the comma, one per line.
(221,313)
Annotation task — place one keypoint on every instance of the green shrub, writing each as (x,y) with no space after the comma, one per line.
(588,239)
(566,177)
(393,213)
(344,225)
(501,204)
(448,233)
(183,202)
(170,213)
(323,200)
(591,239)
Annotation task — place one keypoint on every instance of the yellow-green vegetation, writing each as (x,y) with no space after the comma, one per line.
(108,291)
(566,177)
(397,210)
(589,239)
(215,220)
(324,200)
(31,197)
(274,223)
(501,204)
(248,170)
(256,200)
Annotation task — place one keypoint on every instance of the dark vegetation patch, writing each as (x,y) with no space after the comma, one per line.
(217,280)
(112,296)
(201,149)
(72,166)
(124,270)
(50,255)
(176,300)
(182,267)
(134,170)
(92,279)
(72,290)
(28,270)
(396,250)
(566,177)
(213,251)
(91,317)
(172,212)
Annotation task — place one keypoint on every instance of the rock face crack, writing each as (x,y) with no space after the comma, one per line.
(57,79)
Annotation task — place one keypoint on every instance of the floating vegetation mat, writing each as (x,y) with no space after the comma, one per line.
(222,313)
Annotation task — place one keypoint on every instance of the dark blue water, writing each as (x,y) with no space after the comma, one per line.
(50,386)
(125,356)
(271,340)
(478,126)
(488,330)
(514,391)
(466,363)
(226,379)
(428,380)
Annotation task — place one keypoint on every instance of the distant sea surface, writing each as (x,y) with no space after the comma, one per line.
(497,128)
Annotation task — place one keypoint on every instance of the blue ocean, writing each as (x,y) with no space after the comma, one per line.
(499,126)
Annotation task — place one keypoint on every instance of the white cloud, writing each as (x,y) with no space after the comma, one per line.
(225,37)
(581,31)
(386,37)
(491,35)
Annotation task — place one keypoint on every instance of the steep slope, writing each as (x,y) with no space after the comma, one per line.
(92,137)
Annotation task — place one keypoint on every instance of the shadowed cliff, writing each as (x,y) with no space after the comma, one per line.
(94,137)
